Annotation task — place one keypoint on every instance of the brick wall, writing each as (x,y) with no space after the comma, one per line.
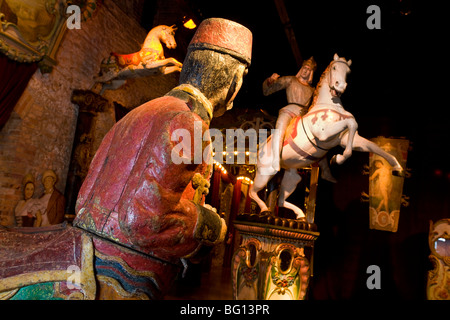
(39,135)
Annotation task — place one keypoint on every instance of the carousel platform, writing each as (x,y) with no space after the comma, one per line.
(275,259)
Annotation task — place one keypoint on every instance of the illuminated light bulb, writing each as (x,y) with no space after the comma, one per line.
(190,24)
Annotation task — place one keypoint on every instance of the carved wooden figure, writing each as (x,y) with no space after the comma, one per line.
(308,138)
(136,215)
(52,201)
(25,211)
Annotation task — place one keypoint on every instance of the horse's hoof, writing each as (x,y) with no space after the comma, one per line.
(333,160)
(328,177)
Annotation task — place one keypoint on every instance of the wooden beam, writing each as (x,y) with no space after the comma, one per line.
(284,17)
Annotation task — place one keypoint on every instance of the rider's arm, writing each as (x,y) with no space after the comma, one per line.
(271,85)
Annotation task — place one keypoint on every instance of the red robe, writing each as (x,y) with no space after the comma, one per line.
(136,196)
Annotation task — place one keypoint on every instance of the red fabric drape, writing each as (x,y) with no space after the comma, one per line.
(248,201)
(14,77)
(216,188)
(229,248)
(236,200)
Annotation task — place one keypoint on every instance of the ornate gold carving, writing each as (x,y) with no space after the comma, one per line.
(8,294)
(201,186)
(276,268)
(438,285)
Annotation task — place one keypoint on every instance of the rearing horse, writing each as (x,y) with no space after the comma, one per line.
(309,137)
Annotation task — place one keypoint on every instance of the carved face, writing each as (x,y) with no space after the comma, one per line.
(338,74)
(232,91)
(305,73)
(28,190)
(48,182)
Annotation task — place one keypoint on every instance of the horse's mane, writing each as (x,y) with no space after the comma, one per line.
(319,85)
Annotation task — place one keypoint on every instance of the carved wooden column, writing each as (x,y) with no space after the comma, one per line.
(85,141)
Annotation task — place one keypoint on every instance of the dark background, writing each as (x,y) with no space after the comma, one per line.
(397,88)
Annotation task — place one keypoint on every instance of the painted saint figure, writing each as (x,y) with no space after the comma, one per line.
(383,184)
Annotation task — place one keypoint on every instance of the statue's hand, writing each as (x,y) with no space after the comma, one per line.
(273,78)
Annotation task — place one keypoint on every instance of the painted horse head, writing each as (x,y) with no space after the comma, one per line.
(164,34)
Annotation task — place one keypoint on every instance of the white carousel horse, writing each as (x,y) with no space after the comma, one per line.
(308,138)
(150,60)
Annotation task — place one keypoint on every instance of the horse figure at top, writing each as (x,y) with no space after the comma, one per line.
(308,138)
(152,49)
(149,60)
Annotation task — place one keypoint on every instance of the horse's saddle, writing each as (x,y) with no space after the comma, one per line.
(291,130)
(125,60)
(58,253)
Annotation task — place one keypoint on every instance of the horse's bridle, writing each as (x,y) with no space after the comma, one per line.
(303,125)
(331,66)
(340,61)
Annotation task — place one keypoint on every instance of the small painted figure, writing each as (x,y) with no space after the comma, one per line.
(25,211)
(383,183)
(52,202)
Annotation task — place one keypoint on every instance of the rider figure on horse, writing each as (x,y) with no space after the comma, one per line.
(299,93)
